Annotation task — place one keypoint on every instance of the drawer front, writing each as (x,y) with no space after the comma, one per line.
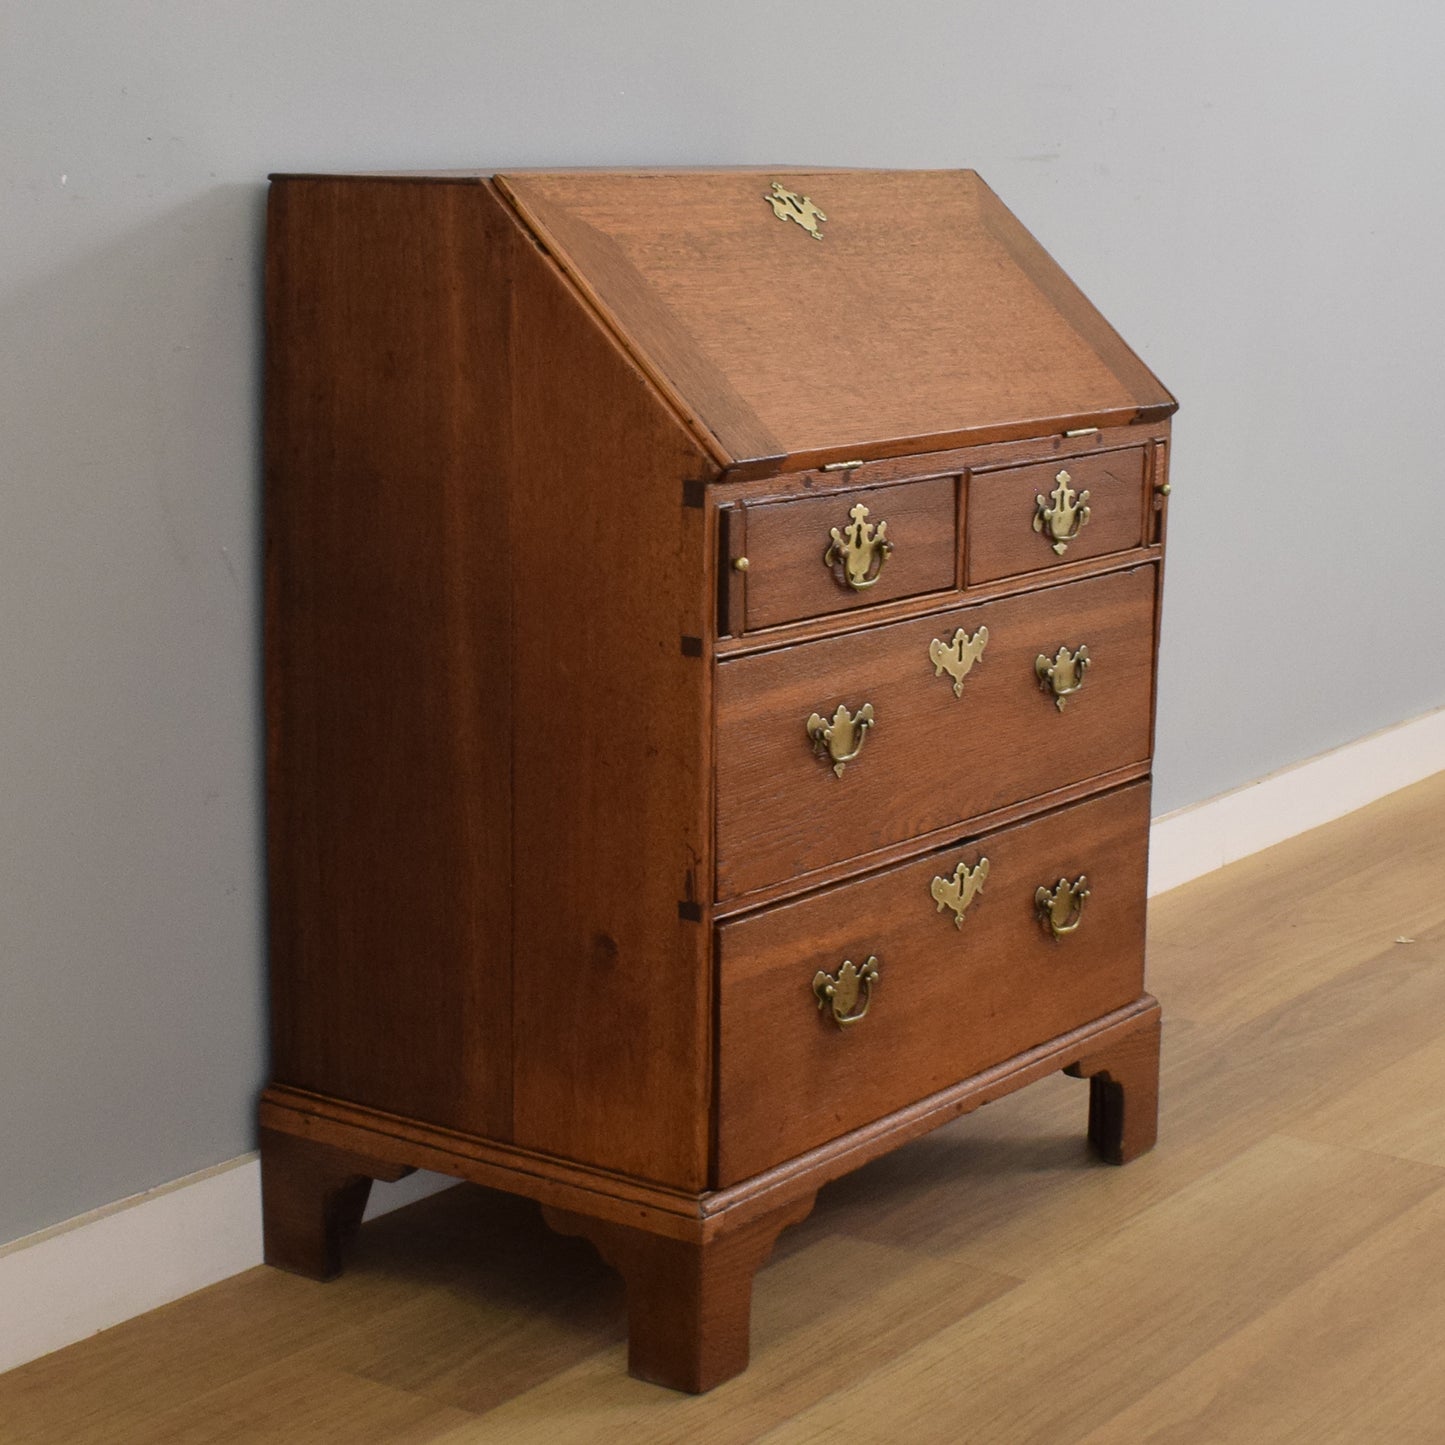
(932,757)
(903,542)
(1028,519)
(950,999)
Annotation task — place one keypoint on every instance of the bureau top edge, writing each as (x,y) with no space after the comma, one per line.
(796,318)
(467,175)
(760,482)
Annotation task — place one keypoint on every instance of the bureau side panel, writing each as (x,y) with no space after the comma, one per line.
(387,698)
(611,700)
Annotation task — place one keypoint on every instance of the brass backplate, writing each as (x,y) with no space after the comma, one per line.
(790,206)
(960,889)
(957,657)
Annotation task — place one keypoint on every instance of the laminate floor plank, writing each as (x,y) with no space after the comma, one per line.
(1249,937)
(807,1344)
(1401,1109)
(296,1401)
(1269,1273)
(123,1377)
(1352,1355)
(1074,1345)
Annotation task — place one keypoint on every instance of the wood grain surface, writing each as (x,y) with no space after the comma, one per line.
(1269,1273)
(949,1002)
(465,777)
(788,579)
(1000,535)
(611,752)
(1123,1094)
(689,1307)
(312,1199)
(388,698)
(393,1144)
(931,759)
(926,316)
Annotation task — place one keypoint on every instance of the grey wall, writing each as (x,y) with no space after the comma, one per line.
(1252,192)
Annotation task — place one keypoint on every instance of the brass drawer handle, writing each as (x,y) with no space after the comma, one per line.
(841,739)
(841,994)
(958,891)
(1063,674)
(1061,908)
(957,658)
(860,548)
(1066,518)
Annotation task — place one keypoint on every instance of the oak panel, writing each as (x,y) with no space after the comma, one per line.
(388,700)
(610,752)
(949,1002)
(931,759)
(787,577)
(1002,507)
(925,314)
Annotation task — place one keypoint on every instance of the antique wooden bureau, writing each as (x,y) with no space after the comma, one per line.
(710,644)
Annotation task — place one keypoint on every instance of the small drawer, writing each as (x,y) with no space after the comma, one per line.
(954,993)
(1028,519)
(957,723)
(891,542)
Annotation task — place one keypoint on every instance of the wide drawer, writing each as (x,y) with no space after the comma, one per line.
(891,542)
(1031,518)
(938,752)
(950,999)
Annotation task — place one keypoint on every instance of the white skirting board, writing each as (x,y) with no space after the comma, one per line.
(69,1281)
(1196,840)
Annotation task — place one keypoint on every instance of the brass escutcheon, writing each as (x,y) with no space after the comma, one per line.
(790,206)
(1061,907)
(1066,518)
(841,739)
(861,548)
(958,891)
(957,658)
(841,994)
(1063,675)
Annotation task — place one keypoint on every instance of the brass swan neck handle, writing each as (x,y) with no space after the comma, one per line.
(859,548)
(840,995)
(842,737)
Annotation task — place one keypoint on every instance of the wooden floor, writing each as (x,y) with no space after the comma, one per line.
(1275,1270)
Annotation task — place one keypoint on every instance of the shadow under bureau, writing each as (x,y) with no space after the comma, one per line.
(710,645)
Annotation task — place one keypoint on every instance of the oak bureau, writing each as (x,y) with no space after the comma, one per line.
(710,647)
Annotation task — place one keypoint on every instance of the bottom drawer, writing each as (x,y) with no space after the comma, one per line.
(949,998)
